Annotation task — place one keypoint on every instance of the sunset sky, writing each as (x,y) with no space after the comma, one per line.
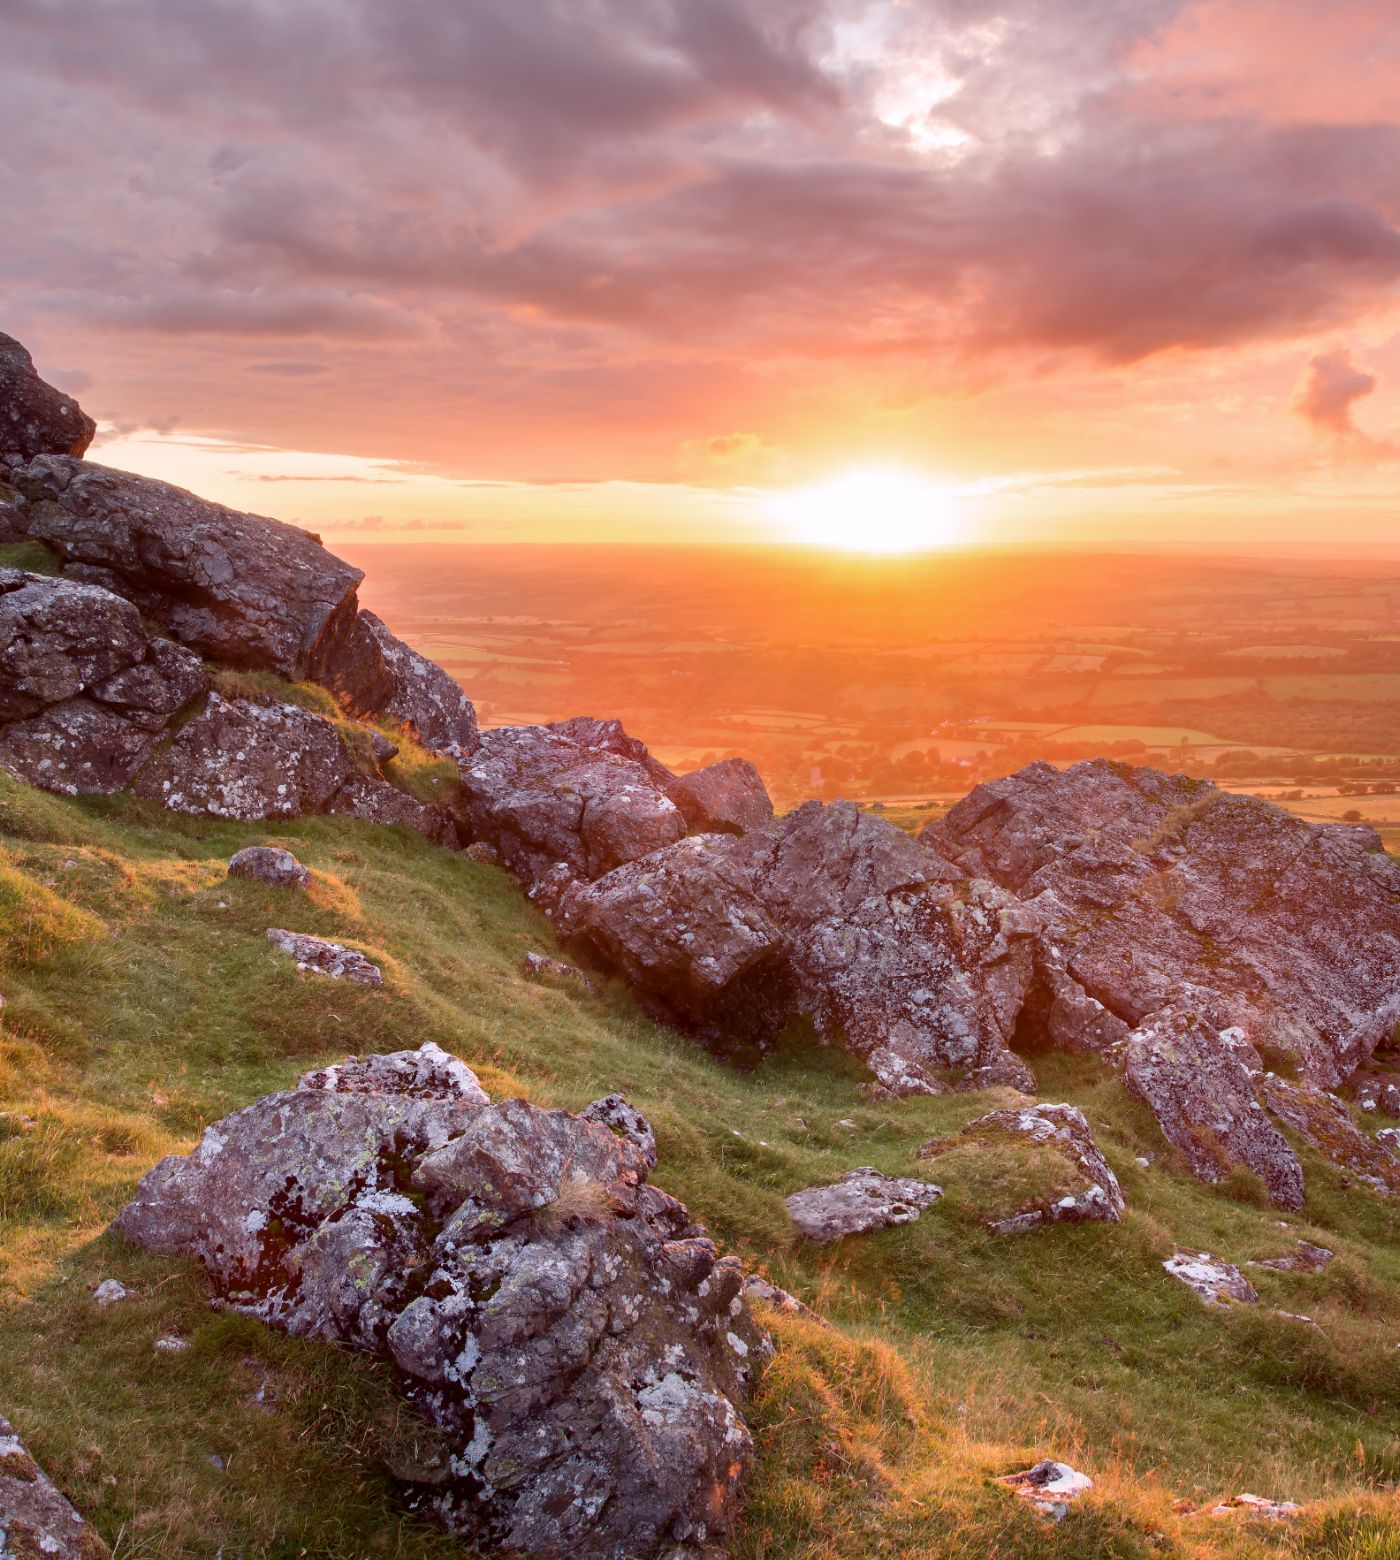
(1082,271)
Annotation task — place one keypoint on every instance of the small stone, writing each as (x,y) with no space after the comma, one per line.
(1050,1487)
(269,864)
(110,1292)
(539,966)
(172,1345)
(1306,1259)
(1256,1506)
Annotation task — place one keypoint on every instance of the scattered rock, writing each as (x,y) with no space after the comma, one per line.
(724,798)
(1050,1487)
(35,1519)
(1062,1129)
(1378,1093)
(110,1291)
(758,1288)
(1389,1138)
(269,864)
(862,1200)
(429,1073)
(539,966)
(581,1349)
(1255,1506)
(172,1345)
(36,419)
(315,955)
(1197,1084)
(1214,1281)
(614,1112)
(1305,1258)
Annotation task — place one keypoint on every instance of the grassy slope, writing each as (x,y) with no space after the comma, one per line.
(145,1001)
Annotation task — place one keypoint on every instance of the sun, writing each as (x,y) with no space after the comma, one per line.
(872,510)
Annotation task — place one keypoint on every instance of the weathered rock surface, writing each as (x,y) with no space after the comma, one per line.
(377,801)
(1198,1082)
(581,1348)
(319,956)
(36,419)
(1323,1121)
(1147,882)
(36,1520)
(828,913)
(862,1200)
(1304,1258)
(425,698)
(542,798)
(1378,1093)
(58,638)
(727,798)
(269,864)
(1213,1282)
(1095,1193)
(240,588)
(615,1113)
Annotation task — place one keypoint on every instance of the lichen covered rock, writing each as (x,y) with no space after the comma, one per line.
(861,1201)
(36,419)
(581,1348)
(36,1520)
(269,864)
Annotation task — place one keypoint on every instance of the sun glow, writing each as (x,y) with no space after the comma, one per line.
(874,510)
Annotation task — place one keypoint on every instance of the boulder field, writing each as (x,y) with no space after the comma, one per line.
(1234,964)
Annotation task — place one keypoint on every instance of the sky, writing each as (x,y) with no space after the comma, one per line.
(1080,272)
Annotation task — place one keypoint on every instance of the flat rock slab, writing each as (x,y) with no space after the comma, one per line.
(36,1520)
(318,956)
(861,1201)
(1213,1281)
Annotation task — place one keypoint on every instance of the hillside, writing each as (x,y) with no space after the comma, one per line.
(143,1002)
(1093,1046)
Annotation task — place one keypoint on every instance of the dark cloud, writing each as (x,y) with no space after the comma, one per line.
(601,207)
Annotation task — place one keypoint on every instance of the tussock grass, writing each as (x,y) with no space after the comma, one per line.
(144,1002)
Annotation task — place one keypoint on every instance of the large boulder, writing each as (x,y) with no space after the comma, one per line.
(77,748)
(582,1349)
(728,798)
(830,914)
(58,638)
(240,588)
(541,798)
(1199,1083)
(1147,883)
(36,419)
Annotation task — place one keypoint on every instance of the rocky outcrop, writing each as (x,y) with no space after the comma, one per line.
(830,914)
(861,1201)
(1147,883)
(240,589)
(1199,1083)
(36,1520)
(269,864)
(375,800)
(1324,1123)
(618,1115)
(579,1345)
(36,419)
(542,798)
(319,956)
(724,798)
(1080,1186)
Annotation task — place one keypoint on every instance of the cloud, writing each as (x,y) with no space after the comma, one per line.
(554,238)
(1329,391)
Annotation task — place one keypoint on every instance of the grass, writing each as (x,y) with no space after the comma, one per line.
(143,1002)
